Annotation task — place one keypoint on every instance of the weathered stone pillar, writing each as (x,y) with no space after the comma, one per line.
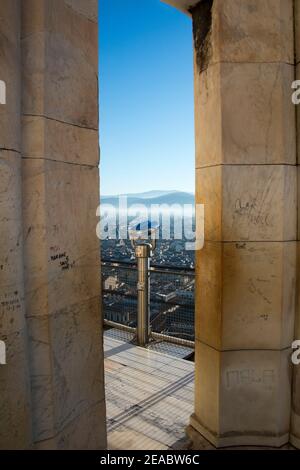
(61,195)
(15,424)
(246,178)
(295,423)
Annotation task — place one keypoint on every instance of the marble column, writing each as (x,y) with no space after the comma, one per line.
(295,422)
(60,153)
(15,419)
(246,177)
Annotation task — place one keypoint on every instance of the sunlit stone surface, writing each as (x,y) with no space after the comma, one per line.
(295,421)
(15,413)
(247,180)
(61,195)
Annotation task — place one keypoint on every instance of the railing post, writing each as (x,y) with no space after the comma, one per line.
(142,253)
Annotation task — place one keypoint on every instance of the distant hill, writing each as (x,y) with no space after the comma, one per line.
(145,195)
(152,197)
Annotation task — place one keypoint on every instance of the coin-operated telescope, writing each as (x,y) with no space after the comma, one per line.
(143,237)
(145,231)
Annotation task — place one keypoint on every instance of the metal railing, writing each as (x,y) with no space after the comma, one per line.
(171,300)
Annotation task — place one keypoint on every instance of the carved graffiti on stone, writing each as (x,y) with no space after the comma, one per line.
(234,378)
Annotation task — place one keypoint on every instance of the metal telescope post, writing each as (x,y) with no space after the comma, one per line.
(143,252)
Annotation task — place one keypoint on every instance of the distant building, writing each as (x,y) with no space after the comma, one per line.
(186,295)
(111,283)
(166,297)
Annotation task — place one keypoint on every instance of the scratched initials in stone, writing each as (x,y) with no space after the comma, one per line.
(2,353)
(250,376)
(2,92)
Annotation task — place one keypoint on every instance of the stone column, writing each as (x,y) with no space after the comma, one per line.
(61,195)
(15,424)
(295,425)
(246,178)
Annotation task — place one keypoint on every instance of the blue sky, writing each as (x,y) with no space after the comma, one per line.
(146,97)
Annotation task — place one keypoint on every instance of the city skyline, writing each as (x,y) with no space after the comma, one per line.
(146,97)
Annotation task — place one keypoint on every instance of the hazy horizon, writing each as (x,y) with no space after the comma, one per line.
(151,191)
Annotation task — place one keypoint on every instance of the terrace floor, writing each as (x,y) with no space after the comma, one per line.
(149,394)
